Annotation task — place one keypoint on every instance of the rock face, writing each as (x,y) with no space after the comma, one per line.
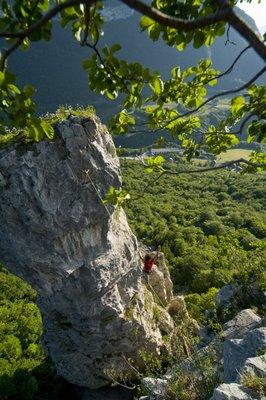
(255,366)
(233,391)
(237,351)
(242,323)
(79,255)
(156,387)
(244,337)
(160,281)
(225,295)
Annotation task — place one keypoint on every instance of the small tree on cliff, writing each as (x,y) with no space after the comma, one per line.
(170,104)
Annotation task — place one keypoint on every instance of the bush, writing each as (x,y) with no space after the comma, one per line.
(196,382)
(13,288)
(235,219)
(197,304)
(20,333)
(187,269)
(213,228)
(256,226)
(254,382)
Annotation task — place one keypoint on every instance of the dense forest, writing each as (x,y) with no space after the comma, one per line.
(25,371)
(211,229)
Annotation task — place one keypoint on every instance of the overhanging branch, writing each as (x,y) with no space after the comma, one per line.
(244,30)
(199,171)
(177,23)
(34,27)
(249,116)
(87,21)
(216,167)
(215,96)
(45,18)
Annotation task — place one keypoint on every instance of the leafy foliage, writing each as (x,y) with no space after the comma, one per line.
(196,382)
(20,332)
(209,236)
(47,120)
(24,370)
(184,9)
(116,197)
(254,382)
(197,304)
(167,104)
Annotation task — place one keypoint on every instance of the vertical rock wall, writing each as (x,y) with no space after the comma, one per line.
(80,256)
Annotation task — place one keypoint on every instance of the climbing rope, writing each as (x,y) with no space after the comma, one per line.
(156,295)
(107,289)
(97,192)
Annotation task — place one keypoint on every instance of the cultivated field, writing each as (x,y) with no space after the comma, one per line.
(233,154)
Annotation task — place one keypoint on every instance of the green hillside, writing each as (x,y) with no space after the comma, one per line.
(211,227)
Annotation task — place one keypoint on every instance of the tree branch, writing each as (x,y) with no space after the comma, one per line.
(228,40)
(35,26)
(229,69)
(226,72)
(87,21)
(244,30)
(221,166)
(215,96)
(250,115)
(177,23)
(199,171)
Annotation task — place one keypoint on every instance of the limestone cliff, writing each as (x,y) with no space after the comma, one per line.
(80,256)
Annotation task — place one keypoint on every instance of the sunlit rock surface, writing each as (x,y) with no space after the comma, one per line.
(79,255)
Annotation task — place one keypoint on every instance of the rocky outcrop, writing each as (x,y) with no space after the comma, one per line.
(255,366)
(79,255)
(243,338)
(237,351)
(225,295)
(242,323)
(233,391)
(160,281)
(156,387)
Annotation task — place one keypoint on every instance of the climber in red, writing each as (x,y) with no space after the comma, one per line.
(149,262)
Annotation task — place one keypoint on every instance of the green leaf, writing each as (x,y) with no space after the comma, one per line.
(35,132)
(181,46)
(117,197)
(2,77)
(116,47)
(154,32)
(213,82)
(13,88)
(48,129)
(157,85)
(199,39)
(149,170)
(112,95)
(159,160)
(209,39)
(176,72)
(237,104)
(146,22)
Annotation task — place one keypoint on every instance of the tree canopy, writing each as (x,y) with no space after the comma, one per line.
(148,102)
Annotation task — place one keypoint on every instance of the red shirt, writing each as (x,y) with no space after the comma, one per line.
(148,264)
